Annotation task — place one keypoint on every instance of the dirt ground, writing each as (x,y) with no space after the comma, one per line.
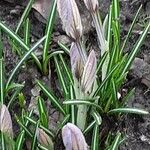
(135,127)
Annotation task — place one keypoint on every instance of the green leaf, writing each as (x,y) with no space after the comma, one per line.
(136,48)
(66,49)
(105,80)
(1,45)
(109,32)
(51,97)
(131,28)
(43,112)
(73,117)
(9,143)
(127,97)
(34,139)
(97,117)
(49,29)
(101,62)
(1,82)
(66,69)
(45,129)
(89,127)
(21,138)
(82,102)
(20,42)
(27,32)
(23,126)
(116,142)
(24,15)
(129,110)
(61,78)
(22,61)
(21,99)
(14,96)
(65,120)
(95,138)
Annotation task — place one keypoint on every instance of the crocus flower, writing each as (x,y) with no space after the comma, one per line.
(73,138)
(71,20)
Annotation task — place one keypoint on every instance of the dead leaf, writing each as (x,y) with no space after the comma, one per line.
(43,7)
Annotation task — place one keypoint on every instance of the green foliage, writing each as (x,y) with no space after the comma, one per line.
(81,103)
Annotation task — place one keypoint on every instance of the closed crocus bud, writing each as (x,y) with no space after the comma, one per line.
(44,139)
(73,138)
(76,62)
(92,5)
(5,121)
(89,73)
(69,14)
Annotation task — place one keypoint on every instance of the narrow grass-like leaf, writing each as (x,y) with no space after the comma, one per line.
(23,127)
(1,45)
(109,30)
(116,142)
(129,110)
(65,120)
(49,30)
(21,138)
(22,61)
(127,97)
(72,107)
(13,97)
(112,60)
(116,13)
(45,129)
(105,80)
(97,117)
(101,62)
(136,48)
(20,42)
(61,77)
(65,48)
(24,15)
(42,147)
(66,68)
(27,32)
(89,127)
(49,57)
(3,142)
(95,138)
(34,139)
(130,29)
(51,97)
(13,86)
(1,82)
(114,93)
(83,102)
(116,41)
(42,112)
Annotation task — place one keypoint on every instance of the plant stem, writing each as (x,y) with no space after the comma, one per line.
(103,43)
(82,51)
(82,116)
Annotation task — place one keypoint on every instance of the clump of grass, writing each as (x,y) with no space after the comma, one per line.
(90,88)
